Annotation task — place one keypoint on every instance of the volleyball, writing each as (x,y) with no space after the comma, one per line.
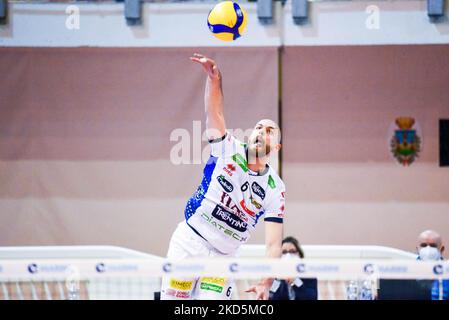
(227,20)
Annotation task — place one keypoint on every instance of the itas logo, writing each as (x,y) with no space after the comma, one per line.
(234,267)
(167,267)
(229,169)
(227,186)
(250,268)
(33,268)
(438,269)
(53,268)
(258,190)
(116,267)
(229,218)
(368,268)
(301,268)
(100,267)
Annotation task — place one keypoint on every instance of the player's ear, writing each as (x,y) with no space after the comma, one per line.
(442,249)
(278,147)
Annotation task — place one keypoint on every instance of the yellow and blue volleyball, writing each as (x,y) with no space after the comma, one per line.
(227,20)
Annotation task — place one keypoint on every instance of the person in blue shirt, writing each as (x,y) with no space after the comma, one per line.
(430,248)
(293,288)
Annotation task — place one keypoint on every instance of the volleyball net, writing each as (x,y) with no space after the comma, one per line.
(92,279)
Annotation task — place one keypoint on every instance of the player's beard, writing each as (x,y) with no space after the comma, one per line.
(259,151)
(263,151)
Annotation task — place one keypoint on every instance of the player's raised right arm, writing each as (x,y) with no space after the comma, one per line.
(213,97)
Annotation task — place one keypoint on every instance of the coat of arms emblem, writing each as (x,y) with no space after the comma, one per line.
(405,144)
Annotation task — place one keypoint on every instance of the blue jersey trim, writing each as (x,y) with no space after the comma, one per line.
(258,215)
(197,198)
(272,219)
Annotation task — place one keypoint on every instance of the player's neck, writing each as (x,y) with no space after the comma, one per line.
(257,164)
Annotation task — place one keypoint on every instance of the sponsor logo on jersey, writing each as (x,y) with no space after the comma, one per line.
(178,294)
(199,193)
(214,280)
(240,160)
(212,284)
(229,169)
(211,287)
(281,214)
(226,200)
(271,182)
(228,232)
(229,218)
(181,284)
(255,203)
(258,190)
(251,213)
(227,186)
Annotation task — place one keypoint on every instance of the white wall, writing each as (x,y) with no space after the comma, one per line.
(184,24)
(104,25)
(347,22)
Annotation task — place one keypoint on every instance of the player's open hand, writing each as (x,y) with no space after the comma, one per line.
(208,65)
(261,291)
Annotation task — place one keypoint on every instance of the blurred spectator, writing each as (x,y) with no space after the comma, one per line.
(431,248)
(293,288)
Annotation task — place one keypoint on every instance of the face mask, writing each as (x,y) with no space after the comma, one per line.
(429,253)
(289,256)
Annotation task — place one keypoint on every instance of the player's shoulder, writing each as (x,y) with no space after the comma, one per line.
(236,140)
(274,180)
(237,145)
(228,138)
(226,146)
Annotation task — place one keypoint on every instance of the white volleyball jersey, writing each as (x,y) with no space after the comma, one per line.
(231,198)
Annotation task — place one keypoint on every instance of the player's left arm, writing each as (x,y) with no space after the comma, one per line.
(273,241)
(274,230)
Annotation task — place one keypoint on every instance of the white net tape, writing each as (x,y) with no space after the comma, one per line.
(141,278)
